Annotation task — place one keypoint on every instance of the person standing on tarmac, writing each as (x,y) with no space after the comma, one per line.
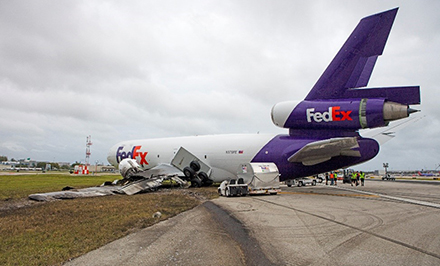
(331,179)
(335,175)
(353,178)
(326,179)
(357,178)
(362,176)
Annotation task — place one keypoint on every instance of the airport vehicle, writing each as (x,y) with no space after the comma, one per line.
(347,175)
(323,129)
(388,177)
(233,187)
(300,182)
(319,178)
(253,179)
(262,178)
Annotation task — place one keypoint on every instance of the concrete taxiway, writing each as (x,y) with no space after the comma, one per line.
(382,223)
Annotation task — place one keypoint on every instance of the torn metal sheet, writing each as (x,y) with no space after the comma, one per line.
(77,193)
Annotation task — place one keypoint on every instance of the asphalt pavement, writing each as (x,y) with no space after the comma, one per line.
(312,225)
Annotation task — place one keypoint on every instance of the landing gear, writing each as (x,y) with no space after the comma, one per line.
(197,179)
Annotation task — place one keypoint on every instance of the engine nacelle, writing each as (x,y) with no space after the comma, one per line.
(345,114)
(129,167)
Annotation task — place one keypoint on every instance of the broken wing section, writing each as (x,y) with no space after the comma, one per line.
(323,150)
(137,180)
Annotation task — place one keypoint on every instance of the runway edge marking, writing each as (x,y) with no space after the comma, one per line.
(417,202)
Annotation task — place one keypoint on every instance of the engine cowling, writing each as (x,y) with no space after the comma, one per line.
(349,114)
(129,167)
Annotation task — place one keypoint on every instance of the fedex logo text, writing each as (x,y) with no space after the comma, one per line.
(333,114)
(133,154)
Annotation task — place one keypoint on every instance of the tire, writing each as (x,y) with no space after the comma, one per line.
(314,183)
(203,176)
(300,183)
(195,165)
(189,173)
(196,182)
(208,182)
(289,185)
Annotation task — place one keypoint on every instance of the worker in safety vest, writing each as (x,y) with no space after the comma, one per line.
(353,178)
(332,178)
(362,176)
(335,176)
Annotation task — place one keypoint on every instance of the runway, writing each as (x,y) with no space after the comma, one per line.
(320,225)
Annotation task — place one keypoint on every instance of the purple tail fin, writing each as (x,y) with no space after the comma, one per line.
(354,63)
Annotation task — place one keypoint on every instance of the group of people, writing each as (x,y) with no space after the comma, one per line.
(333,178)
(355,178)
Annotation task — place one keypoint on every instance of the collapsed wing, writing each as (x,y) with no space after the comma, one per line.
(323,150)
(162,170)
(152,178)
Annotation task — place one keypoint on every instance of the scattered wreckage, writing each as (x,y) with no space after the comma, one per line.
(184,167)
(185,170)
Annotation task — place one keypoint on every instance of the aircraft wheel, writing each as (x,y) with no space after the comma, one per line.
(195,165)
(313,183)
(189,173)
(209,182)
(196,182)
(203,176)
(300,184)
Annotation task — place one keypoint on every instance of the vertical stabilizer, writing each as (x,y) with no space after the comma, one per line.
(354,63)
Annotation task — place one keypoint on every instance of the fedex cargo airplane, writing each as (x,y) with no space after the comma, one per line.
(323,129)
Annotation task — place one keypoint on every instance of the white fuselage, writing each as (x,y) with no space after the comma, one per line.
(223,153)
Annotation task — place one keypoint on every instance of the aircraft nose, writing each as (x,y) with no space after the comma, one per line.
(111,156)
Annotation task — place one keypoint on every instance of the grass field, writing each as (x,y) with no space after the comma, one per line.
(20,186)
(54,232)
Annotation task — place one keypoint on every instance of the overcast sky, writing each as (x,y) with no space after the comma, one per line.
(119,70)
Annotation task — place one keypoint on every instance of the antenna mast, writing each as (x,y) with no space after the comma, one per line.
(88,153)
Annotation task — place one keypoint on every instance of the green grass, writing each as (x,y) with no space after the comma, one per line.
(21,186)
(54,232)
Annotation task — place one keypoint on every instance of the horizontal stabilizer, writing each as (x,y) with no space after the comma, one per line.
(323,150)
(403,95)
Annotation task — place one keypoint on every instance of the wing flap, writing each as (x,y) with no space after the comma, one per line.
(323,150)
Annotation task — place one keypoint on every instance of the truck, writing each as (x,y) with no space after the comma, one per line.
(301,182)
(255,178)
(233,187)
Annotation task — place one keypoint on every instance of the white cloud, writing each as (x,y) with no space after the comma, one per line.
(142,69)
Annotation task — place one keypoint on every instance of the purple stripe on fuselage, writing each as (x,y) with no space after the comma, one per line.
(281,147)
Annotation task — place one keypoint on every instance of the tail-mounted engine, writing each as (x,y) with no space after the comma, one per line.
(340,114)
